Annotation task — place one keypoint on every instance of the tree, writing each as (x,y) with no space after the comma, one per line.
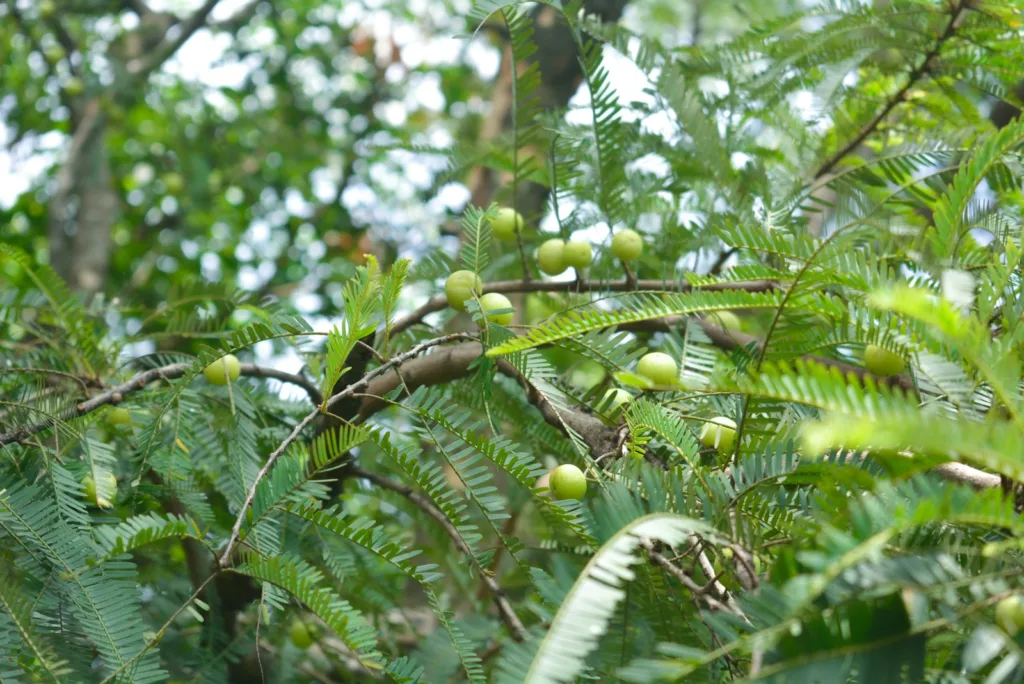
(814,477)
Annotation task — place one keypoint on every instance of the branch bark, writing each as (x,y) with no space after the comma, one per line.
(115,395)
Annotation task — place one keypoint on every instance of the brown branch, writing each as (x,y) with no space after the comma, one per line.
(453,362)
(900,95)
(115,395)
(505,609)
(699,592)
(225,560)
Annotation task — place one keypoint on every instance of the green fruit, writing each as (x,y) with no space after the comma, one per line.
(504,224)
(726,320)
(1010,614)
(174,182)
(551,257)
(119,416)
(719,433)
(659,368)
(627,244)
(881,361)
(568,482)
(460,287)
(577,254)
(492,301)
(616,398)
(90,489)
(47,8)
(300,634)
(222,371)
(74,87)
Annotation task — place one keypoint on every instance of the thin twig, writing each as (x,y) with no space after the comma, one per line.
(115,395)
(508,615)
(899,96)
(439,302)
(163,630)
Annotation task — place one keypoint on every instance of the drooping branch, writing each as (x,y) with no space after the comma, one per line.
(508,615)
(115,395)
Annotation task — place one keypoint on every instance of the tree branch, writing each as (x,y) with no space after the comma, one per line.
(508,615)
(115,395)
(453,363)
(225,560)
(439,302)
(899,96)
(142,67)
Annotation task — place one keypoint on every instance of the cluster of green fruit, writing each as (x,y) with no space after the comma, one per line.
(662,370)
(462,286)
(555,256)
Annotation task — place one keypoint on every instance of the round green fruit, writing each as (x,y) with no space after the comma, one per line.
(90,489)
(300,634)
(659,368)
(568,482)
(1010,614)
(505,222)
(719,433)
(616,398)
(577,254)
(627,244)
(726,320)
(881,361)
(119,416)
(47,8)
(551,257)
(460,287)
(74,87)
(222,371)
(492,301)
(174,182)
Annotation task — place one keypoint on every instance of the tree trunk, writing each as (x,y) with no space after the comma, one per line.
(84,207)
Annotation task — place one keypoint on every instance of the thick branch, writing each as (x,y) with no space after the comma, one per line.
(225,560)
(115,395)
(453,363)
(899,96)
(497,593)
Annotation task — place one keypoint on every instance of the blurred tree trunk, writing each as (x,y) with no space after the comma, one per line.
(84,207)
(561,75)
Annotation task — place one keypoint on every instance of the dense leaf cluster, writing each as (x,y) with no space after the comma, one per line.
(860,528)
